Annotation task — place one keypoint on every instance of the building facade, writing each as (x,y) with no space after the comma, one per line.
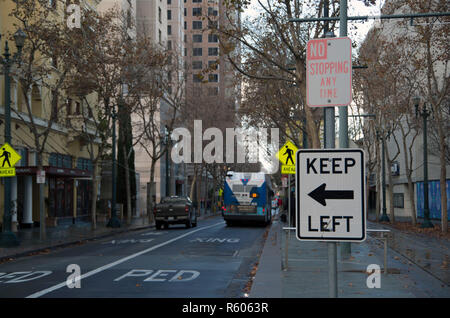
(66,160)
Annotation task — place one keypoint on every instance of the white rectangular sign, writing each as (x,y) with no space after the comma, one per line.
(40,176)
(329,72)
(330,198)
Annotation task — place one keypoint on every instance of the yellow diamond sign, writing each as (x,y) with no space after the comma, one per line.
(286,154)
(8,159)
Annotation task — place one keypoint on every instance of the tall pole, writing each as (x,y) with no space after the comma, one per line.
(7,238)
(166,141)
(343,114)
(426,209)
(114,221)
(384,216)
(329,142)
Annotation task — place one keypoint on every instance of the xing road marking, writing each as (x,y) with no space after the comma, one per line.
(120,261)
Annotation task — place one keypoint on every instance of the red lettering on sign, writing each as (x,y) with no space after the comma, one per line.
(317,49)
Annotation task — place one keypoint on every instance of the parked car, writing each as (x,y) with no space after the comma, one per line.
(175,210)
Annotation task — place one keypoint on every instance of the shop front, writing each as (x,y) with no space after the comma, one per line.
(67,195)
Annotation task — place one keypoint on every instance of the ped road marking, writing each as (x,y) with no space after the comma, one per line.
(120,261)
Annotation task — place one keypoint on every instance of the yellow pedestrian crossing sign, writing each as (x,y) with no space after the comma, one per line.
(8,159)
(286,155)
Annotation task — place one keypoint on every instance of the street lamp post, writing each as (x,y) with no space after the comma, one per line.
(166,144)
(7,237)
(384,217)
(424,112)
(114,222)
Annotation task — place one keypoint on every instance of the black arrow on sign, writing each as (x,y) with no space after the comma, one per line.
(320,194)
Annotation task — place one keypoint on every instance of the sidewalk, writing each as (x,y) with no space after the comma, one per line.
(306,271)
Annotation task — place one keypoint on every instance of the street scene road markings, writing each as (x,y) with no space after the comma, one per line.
(154,233)
(120,261)
(128,241)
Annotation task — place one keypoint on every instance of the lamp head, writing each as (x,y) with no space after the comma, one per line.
(19,38)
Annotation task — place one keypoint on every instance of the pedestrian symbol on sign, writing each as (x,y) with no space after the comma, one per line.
(7,155)
(289,152)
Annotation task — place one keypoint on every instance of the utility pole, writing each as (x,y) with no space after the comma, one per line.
(346,249)
(329,142)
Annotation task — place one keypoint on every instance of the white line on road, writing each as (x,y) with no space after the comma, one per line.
(122,260)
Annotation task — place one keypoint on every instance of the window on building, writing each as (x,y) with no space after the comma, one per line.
(213,65)
(197,91)
(185,38)
(213,24)
(399,200)
(213,91)
(169,14)
(197,51)
(185,51)
(213,51)
(213,38)
(196,1)
(169,45)
(197,38)
(169,1)
(212,12)
(169,30)
(84,164)
(52,4)
(160,36)
(69,106)
(197,65)
(77,108)
(160,15)
(185,25)
(197,78)
(185,12)
(213,78)
(197,25)
(129,18)
(196,11)
(60,160)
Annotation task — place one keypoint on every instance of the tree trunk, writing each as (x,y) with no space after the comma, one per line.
(391,193)
(199,190)
(378,182)
(192,192)
(443,181)
(42,214)
(408,171)
(94,196)
(150,202)
(127,184)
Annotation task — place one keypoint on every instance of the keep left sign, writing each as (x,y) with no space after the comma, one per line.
(330,197)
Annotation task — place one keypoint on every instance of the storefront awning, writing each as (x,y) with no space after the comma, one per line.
(55,171)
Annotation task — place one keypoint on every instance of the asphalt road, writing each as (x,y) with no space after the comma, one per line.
(210,260)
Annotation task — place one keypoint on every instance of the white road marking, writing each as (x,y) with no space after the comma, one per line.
(154,233)
(120,261)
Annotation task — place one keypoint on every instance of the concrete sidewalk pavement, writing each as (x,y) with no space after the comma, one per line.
(306,272)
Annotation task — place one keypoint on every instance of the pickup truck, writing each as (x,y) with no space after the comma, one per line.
(175,210)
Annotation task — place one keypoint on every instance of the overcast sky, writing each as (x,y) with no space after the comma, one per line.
(355,7)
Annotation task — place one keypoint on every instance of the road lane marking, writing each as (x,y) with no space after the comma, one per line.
(122,260)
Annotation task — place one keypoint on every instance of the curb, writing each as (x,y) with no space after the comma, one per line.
(267,280)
